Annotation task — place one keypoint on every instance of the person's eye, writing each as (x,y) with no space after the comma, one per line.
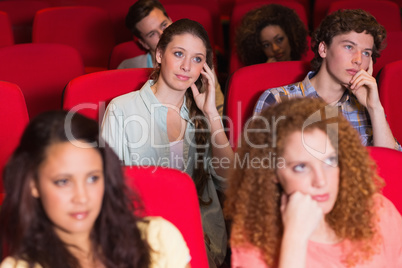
(299,168)
(178,54)
(61,182)
(348,47)
(266,45)
(366,53)
(198,59)
(279,40)
(332,161)
(151,34)
(93,178)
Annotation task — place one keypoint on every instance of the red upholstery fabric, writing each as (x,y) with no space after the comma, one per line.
(392,51)
(14,118)
(171,194)
(389,168)
(123,51)
(88,29)
(241,9)
(304,3)
(214,9)
(41,71)
(6,36)
(90,94)
(21,15)
(390,95)
(386,12)
(195,12)
(320,10)
(247,84)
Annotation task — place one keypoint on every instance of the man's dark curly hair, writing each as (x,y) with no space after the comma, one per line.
(342,22)
(248,45)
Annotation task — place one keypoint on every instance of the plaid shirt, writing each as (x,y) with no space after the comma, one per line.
(348,105)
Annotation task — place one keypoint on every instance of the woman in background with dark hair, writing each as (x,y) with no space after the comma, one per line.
(173,121)
(270,33)
(67,205)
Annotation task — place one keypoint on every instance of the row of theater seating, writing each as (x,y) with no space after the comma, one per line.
(105,23)
(89,94)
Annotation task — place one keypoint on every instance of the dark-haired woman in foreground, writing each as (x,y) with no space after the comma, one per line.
(67,205)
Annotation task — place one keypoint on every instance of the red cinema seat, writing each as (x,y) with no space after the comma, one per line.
(91,93)
(389,168)
(390,94)
(14,118)
(171,194)
(386,12)
(391,53)
(248,83)
(6,36)
(21,15)
(87,29)
(41,71)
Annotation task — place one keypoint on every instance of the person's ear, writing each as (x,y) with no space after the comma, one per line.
(144,44)
(322,49)
(34,189)
(158,56)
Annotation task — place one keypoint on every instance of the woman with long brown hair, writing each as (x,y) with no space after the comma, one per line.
(67,204)
(308,194)
(173,121)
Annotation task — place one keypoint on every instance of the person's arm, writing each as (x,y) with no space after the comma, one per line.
(221,149)
(364,86)
(301,216)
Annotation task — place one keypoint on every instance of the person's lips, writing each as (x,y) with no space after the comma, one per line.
(352,71)
(320,198)
(182,77)
(79,215)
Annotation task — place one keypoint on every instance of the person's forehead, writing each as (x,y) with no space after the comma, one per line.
(363,38)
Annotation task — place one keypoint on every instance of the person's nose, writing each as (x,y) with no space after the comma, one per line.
(357,57)
(275,47)
(186,64)
(319,177)
(80,194)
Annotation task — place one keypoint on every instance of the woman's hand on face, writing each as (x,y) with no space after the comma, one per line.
(206,100)
(271,59)
(300,214)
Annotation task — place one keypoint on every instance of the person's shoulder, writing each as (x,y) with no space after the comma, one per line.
(139,61)
(11,262)
(128,97)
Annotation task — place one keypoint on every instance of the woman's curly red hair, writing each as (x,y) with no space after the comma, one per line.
(253,196)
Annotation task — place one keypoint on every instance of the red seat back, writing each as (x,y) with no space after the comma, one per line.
(390,95)
(91,93)
(389,168)
(6,36)
(171,194)
(14,118)
(41,71)
(21,15)
(248,83)
(386,12)
(88,29)
(391,53)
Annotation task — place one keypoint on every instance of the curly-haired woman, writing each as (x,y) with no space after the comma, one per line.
(307,194)
(270,33)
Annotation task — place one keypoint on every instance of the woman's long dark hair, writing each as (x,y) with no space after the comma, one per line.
(25,230)
(186,26)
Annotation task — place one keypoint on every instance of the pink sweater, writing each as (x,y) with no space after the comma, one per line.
(330,255)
